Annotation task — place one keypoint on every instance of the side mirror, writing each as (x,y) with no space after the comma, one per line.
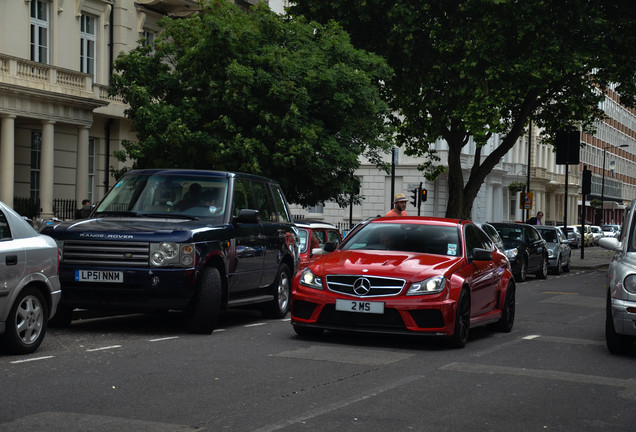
(480,254)
(248,216)
(610,243)
(330,246)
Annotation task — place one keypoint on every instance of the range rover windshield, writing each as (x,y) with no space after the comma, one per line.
(161,195)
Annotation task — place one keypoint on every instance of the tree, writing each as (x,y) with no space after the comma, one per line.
(230,89)
(465,70)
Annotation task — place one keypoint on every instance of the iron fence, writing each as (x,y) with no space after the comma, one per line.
(62,208)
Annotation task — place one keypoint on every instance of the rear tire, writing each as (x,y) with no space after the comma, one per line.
(281,288)
(507,310)
(27,322)
(205,308)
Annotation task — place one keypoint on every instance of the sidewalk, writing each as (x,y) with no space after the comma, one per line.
(595,258)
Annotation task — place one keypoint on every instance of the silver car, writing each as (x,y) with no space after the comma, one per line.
(620,316)
(559,251)
(29,283)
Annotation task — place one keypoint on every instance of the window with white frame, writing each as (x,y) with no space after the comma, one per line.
(36,149)
(87,44)
(40,31)
(91,170)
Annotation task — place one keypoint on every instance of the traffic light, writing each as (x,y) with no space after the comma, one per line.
(423,195)
(414,197)
(587,181)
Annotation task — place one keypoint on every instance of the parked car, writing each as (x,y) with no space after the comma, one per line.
(491,232)
(195,241)
(407,275)
(620,314)
(574,236)
(313,238)
(610,230)
(587,236)
(525,248)
(29,283)
(597,233)
(559,251)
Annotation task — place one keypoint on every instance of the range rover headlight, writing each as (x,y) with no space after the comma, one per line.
(171,254)
(629,283)
(308,279)
(512,253)
(432,285)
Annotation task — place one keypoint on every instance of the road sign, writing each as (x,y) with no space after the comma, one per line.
(525,203)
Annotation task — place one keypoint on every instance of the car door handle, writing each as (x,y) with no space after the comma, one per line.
(11,260)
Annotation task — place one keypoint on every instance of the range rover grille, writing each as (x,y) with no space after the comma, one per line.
(106,253)
(362,285)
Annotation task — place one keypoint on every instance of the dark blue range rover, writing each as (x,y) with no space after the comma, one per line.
(197,241)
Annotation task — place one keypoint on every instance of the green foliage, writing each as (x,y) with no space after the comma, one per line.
(465,70)
(251,91)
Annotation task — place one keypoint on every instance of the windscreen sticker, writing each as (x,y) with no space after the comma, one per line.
(452,249)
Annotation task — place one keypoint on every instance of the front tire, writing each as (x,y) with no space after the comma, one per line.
(205,308)
(281,288)
(616,343)
(462,322)
(523,270)
(557,269)
(542,273)
(27,322)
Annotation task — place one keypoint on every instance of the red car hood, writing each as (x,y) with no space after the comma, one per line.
(407,265)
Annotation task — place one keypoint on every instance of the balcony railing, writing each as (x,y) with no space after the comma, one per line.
(27,73)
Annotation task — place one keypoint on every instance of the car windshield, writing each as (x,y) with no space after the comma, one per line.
(161,195)
(404,237)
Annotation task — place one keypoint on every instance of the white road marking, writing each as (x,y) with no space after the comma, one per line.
(31,359)
(164,338)
(103,348)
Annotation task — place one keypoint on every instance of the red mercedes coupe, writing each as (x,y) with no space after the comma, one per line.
(407,275)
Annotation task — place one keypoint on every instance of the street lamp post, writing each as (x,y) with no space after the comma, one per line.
(603,182)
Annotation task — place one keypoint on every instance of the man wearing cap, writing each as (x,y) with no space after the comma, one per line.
(399,206)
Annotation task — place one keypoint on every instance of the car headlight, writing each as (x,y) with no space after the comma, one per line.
(432,285)
(550,253)
(171,254)
(630,283)
(512,253)
(308,279)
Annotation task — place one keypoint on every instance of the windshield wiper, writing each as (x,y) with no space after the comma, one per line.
(116,213)
(168,215)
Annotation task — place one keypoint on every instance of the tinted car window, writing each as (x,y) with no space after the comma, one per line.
(264,202)
(279,200)
(532,234)
(5,233)
(243,197)
(332,236)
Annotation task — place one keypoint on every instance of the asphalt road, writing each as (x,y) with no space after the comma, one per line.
(144,373)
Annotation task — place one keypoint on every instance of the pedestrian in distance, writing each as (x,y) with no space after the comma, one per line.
(399,206)
(85,211)
(536,220)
